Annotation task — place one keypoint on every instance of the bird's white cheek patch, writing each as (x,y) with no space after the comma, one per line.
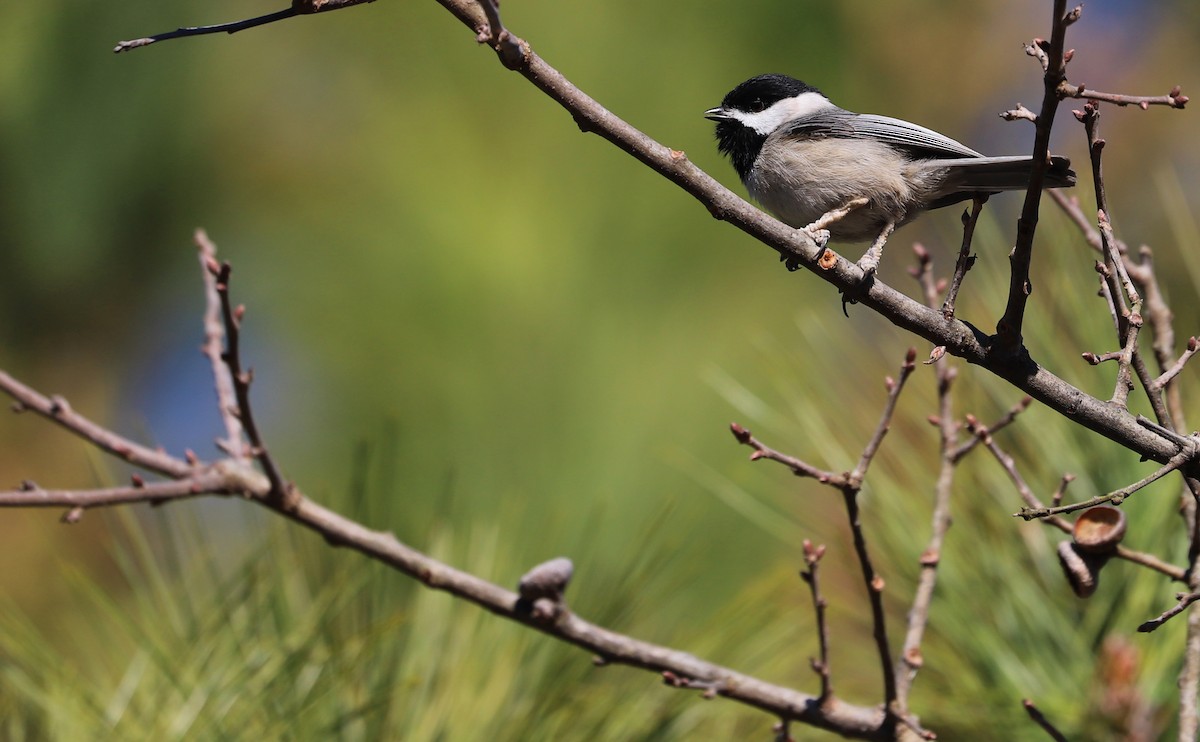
(765,122)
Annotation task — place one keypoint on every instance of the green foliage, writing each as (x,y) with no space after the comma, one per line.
(541,344)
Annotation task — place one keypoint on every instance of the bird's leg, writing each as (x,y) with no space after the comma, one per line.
(870,259)
(819,230)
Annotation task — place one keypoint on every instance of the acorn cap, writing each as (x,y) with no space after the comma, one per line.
(1098,530)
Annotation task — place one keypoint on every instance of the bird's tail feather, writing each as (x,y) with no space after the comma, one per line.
(993,174)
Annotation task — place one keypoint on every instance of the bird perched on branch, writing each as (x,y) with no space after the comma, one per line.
(803,158)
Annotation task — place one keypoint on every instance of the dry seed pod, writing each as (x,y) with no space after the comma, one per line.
(1098,530)
(1082,569)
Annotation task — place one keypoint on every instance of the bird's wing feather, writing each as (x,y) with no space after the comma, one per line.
(844,124)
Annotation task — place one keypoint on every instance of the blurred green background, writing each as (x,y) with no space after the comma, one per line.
(506,341)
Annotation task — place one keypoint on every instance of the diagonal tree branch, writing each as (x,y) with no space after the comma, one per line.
(957,337)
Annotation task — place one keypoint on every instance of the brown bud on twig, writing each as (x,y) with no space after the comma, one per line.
(741,434)
(812,554)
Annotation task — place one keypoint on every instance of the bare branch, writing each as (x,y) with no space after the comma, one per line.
(1173,99)
(873,582)
(281,490)
(799,468)
(911,659)
(1185,599)
(214,348)
(1040,719)
(59,411)
(299,7)
(1003,422)
(1008,329)
(894,386)
(217,482)
(1192,346)
(1020,113)
(1115,497)
(965,259)
(812,558)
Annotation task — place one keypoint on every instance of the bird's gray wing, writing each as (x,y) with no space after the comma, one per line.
(843,124)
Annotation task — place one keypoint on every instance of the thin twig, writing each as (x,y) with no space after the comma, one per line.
(1129,319)
(59,411)
(1168,406)
(234,443)
(1161,382)
(873,582)
(911,657)
(299,7)
(1185,599)
(215,482)
(281,489)
(1040,719)
(799,467)
(965,259)
(894,386)
(1173,99)
(1020,113)
(1115,497)
(812,559)
(1008,418)
(1008,329)
(184,32)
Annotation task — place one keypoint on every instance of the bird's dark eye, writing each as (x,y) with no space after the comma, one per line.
(757,106)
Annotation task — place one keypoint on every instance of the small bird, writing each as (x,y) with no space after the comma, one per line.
(802,157)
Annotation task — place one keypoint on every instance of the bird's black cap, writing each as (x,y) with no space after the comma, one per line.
(760,93)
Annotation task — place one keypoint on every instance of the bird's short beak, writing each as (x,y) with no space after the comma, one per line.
(717,114)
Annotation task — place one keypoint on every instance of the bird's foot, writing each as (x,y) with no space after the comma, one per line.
(816,234)
(869,262)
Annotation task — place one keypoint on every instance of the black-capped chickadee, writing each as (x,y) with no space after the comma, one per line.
(802,157)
